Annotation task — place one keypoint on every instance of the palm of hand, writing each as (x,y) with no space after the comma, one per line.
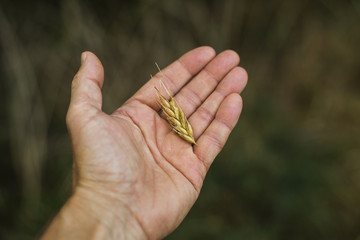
(134,157)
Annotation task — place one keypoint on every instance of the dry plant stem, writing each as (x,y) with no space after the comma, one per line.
(176,117)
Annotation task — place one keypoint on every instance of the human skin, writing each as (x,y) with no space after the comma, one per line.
(134,178)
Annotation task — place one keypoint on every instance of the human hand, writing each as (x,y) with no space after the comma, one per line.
(133,176)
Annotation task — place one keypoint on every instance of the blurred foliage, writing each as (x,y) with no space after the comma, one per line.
(291,168)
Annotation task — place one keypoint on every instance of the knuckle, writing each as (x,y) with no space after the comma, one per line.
(75,82)
(205,114)
(192,97)
(214,140)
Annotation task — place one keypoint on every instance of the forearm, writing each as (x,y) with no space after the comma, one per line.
(87,217)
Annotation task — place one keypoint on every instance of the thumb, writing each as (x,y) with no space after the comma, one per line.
(86,85)
(86,98)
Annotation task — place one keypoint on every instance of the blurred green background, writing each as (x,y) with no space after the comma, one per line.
(291,168)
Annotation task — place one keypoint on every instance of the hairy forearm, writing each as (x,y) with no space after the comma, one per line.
(87,217)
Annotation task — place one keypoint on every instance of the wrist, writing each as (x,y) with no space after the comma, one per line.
(110,215)
(93,215)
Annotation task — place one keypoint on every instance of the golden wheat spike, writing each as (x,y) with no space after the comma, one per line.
(175,115)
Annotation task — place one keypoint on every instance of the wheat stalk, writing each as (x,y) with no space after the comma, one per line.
(175,115)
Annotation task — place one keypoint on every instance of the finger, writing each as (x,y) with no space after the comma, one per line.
(196,91)
(175,76)
(234,82)
(87,83)
(213,139)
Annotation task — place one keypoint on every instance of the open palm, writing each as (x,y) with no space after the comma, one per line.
(133,159)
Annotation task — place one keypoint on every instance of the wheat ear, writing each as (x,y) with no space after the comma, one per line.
(175,116)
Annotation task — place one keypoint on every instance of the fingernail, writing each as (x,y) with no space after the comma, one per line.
(83,57)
